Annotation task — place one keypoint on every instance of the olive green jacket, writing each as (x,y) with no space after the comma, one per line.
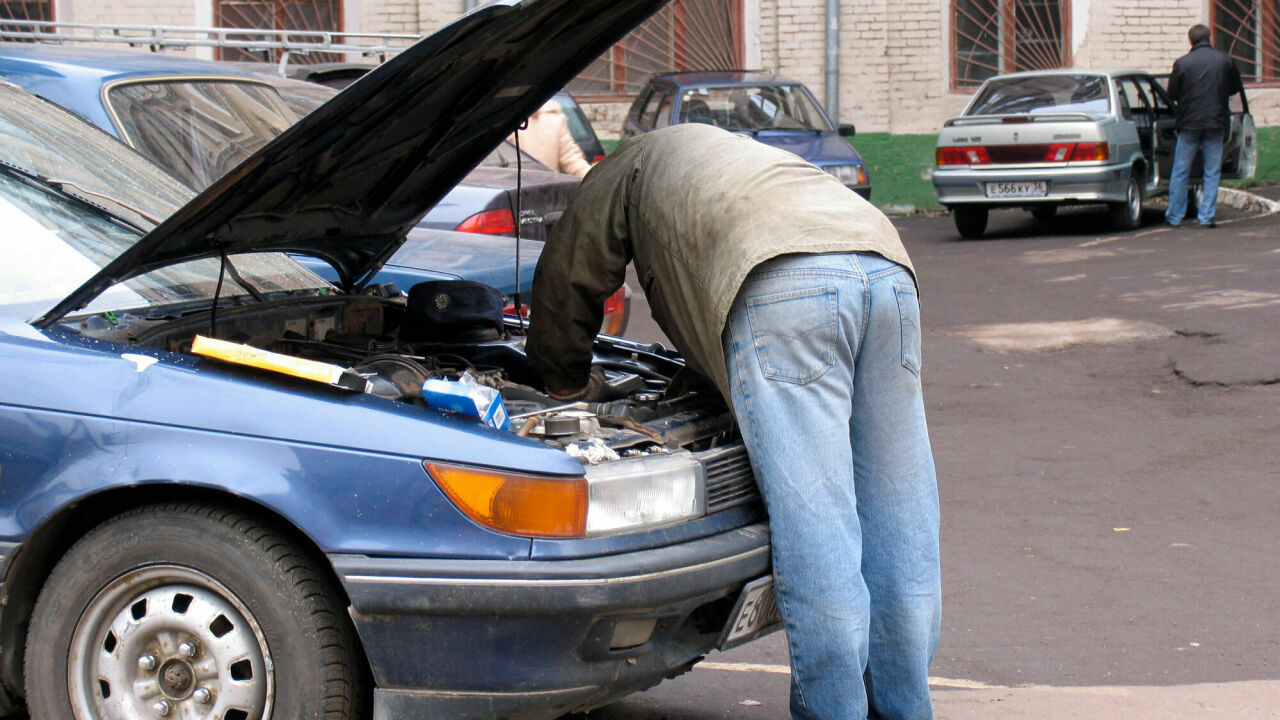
(695,208)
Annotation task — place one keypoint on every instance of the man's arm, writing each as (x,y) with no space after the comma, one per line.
(1175,83)
(582,263)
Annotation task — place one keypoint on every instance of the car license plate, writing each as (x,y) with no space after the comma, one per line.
(755,614)
(1023,189)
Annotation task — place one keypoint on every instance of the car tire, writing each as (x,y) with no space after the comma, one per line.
(1127,215)
(190,611)
(1044,213)
(971,222)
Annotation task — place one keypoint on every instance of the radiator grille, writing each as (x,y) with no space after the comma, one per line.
(730,481)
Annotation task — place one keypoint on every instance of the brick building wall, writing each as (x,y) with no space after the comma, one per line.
(896,64)
(895,55)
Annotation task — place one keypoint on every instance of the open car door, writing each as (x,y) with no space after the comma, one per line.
(1165,129)
(1240,147)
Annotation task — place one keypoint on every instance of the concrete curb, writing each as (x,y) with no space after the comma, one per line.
(1242,200)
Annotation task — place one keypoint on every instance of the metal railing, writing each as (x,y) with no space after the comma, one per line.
(165,37)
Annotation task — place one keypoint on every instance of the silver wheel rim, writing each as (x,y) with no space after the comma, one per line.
(1134,202)
(169,641)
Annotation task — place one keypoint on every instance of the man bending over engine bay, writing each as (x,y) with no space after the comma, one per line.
(796,298)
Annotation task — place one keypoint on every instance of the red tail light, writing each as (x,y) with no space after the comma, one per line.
(617,309)
(976,155)
(1091,151)
(490,222)
(1024,154)
(510,309)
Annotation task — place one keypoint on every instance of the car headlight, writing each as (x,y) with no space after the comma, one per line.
(848,174)
(613,497)
(644,492)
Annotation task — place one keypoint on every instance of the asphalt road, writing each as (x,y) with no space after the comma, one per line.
(1104,415)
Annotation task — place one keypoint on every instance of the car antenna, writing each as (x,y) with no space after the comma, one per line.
(519,219)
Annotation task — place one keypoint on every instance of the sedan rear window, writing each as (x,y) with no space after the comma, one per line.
(1042,94)
(198,129)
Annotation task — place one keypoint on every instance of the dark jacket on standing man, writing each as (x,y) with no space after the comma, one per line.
(1202,81)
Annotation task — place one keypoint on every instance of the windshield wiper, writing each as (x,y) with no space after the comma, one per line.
(61,183)
(58,186)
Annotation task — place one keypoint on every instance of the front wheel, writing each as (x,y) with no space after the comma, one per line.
(188,611)
(1127,215)
(971,222)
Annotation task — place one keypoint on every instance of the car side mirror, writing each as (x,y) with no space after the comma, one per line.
(847,130)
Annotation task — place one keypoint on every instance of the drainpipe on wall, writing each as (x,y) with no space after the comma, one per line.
(833,60)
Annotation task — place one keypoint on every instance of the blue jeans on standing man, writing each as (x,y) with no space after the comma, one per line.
(823,354)
(1209,142)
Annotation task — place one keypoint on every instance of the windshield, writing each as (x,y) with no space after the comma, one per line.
(303,97)
(55,243)
(505,156)
(47,141)
(1042,94)
(199,129)
(764,107)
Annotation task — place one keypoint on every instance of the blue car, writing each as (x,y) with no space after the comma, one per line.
(200,119)
(774,110)
(233,490)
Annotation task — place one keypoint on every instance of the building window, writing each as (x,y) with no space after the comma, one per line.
(684,35)
(1249,31)
(990,37)
(26,10)
(325,15)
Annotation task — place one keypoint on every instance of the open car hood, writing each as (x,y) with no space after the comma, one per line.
(348,181)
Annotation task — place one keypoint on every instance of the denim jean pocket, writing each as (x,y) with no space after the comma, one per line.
(795,333)
(909,315)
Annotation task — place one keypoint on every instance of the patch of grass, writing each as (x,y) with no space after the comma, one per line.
(1268,159)
(900,167)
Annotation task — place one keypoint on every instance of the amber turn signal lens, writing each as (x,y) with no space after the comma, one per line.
(528,505)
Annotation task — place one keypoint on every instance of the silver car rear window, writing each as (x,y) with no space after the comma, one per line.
(1042,94)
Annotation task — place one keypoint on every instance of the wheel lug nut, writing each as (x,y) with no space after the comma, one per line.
(202,696)
(188,649)
(161,707)
(147,662)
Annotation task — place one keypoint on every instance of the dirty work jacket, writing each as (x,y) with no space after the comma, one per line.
(1201,82)
(695,208)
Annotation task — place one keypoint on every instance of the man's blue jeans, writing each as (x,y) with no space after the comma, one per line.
(823,353)
(1209,142)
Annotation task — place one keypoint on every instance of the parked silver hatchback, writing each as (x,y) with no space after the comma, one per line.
(1039,140)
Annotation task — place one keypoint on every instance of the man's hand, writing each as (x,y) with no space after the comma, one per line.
(597,389)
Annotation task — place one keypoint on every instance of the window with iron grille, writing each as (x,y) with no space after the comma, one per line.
(302,15)
(684,35)
(990,37)
(1249,31)
(25,10)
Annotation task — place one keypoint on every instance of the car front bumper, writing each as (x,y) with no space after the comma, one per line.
(1088,184)
(473,639)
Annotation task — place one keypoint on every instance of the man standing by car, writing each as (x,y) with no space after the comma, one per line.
(796,298)
(1201,82)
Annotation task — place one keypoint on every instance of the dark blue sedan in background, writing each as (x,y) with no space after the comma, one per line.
(774,110)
